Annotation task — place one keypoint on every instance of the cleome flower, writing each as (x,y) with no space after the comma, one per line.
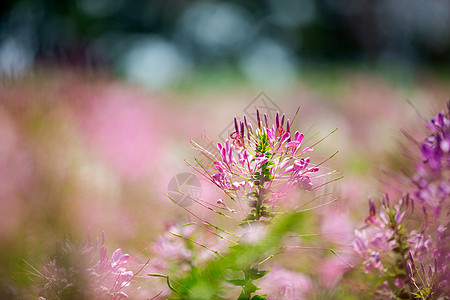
(281,283)
(432,278)
(432,177)
(384,231)
(85,272)
(260,164)
(362,246)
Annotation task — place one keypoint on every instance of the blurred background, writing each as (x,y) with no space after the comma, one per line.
(99,100)
(161,43)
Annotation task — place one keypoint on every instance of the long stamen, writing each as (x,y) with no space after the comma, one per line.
(258,118)
(236,125)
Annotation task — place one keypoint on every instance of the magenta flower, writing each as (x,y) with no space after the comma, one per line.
(418,243)
(432,176)
(383,233)
(295,144)
(261,166)
(434,279)
(90,274)
(285,284)
(173,252)
(371,258)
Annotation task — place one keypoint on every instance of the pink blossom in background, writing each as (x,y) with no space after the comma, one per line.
(338,229)
(363,247)
(336,226)
(172,249)
(15,176)
(169,249)
(123,126)
(283,284)
(332,269)
(85,272)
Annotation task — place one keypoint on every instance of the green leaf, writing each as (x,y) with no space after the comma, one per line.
(250,288)
(242,296)
(211,276)
(256,274)
(237,282)
(259,297)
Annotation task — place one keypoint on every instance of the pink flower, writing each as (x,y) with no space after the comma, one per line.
(295,144)
(361,243)
(373,261)
(260,160)
(120,125)
(284,284)
(91,274)
(419,244)
(337,226)
(332,269)
(399,283)
(260,166)
(362,246)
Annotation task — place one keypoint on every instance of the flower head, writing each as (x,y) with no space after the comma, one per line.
(432,176)
(86,272)
(260,166)
(285,284)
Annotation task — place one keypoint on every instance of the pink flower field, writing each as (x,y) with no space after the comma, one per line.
(109,190)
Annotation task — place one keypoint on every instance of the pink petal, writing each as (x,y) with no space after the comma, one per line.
(124,259)
(116,255)
(285,137)
(103,253)
(120,295)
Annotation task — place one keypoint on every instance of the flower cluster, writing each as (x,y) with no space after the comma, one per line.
(384,232)
(432,178)
(432,282)
(413,264)
(260,165)
(256,168)
(86,272)
(285,284)
(175,250)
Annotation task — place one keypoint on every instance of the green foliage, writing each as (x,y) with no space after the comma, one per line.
(423,293)
(263,146)
(246,283)
(259,297)
(207,281)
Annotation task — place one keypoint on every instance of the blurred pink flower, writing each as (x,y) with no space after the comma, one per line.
(419,243)
(332,269)
(337,226)
(284,284)
(15,176)
(362,246)
(123,127)
(86,272)
(173,253)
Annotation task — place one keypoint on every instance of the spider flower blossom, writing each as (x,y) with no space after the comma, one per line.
(384,232)
(173,251)
(432,175)
(86,272)
(260,164)
(434,277)
(285,284)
